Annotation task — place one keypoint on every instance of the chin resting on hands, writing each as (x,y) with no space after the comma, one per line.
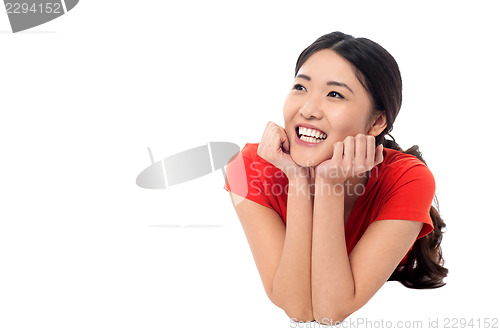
(352,157)
(274,147)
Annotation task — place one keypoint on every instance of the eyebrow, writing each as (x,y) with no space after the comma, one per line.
(335,83)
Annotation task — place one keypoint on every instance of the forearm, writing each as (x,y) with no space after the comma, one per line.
(292,280)
(332,283)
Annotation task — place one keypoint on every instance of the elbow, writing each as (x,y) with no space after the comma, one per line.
(300,315)
(296,313)
(327,314)
(330,317)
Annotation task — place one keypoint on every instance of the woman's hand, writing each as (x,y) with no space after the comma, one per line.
(275,148)
(352,157)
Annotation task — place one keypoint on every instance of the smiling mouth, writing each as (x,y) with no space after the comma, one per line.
(310,135)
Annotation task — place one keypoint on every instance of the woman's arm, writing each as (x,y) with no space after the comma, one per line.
(331,274)
(342,284)
(282,254)
(292,281)
(289,262)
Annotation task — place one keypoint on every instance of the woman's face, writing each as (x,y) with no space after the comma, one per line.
(326,95)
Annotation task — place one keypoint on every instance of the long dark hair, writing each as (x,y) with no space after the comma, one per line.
(379,74)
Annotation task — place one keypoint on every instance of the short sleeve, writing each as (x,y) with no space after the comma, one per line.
(410,198)
(244,177)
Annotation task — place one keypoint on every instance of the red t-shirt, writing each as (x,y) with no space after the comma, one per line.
(401,187)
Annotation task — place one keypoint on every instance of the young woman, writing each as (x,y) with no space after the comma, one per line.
(330,208)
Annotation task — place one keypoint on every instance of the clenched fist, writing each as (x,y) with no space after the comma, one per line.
(352,157)
(275,148)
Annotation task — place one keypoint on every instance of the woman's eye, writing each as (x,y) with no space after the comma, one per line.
(298,87)
(335,94)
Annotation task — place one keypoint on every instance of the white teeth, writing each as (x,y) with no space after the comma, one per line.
(311,132)
(310,139)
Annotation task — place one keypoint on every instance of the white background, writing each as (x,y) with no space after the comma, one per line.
(82,248)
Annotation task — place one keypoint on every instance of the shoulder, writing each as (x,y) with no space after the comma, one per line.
(404,180)
(252,160)
(254,167)
(249,151)
(402,167)
(252,177)
(405,189)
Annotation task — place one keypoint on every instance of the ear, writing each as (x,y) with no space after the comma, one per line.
(378,125)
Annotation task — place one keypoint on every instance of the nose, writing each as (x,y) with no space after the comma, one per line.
(312,107)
